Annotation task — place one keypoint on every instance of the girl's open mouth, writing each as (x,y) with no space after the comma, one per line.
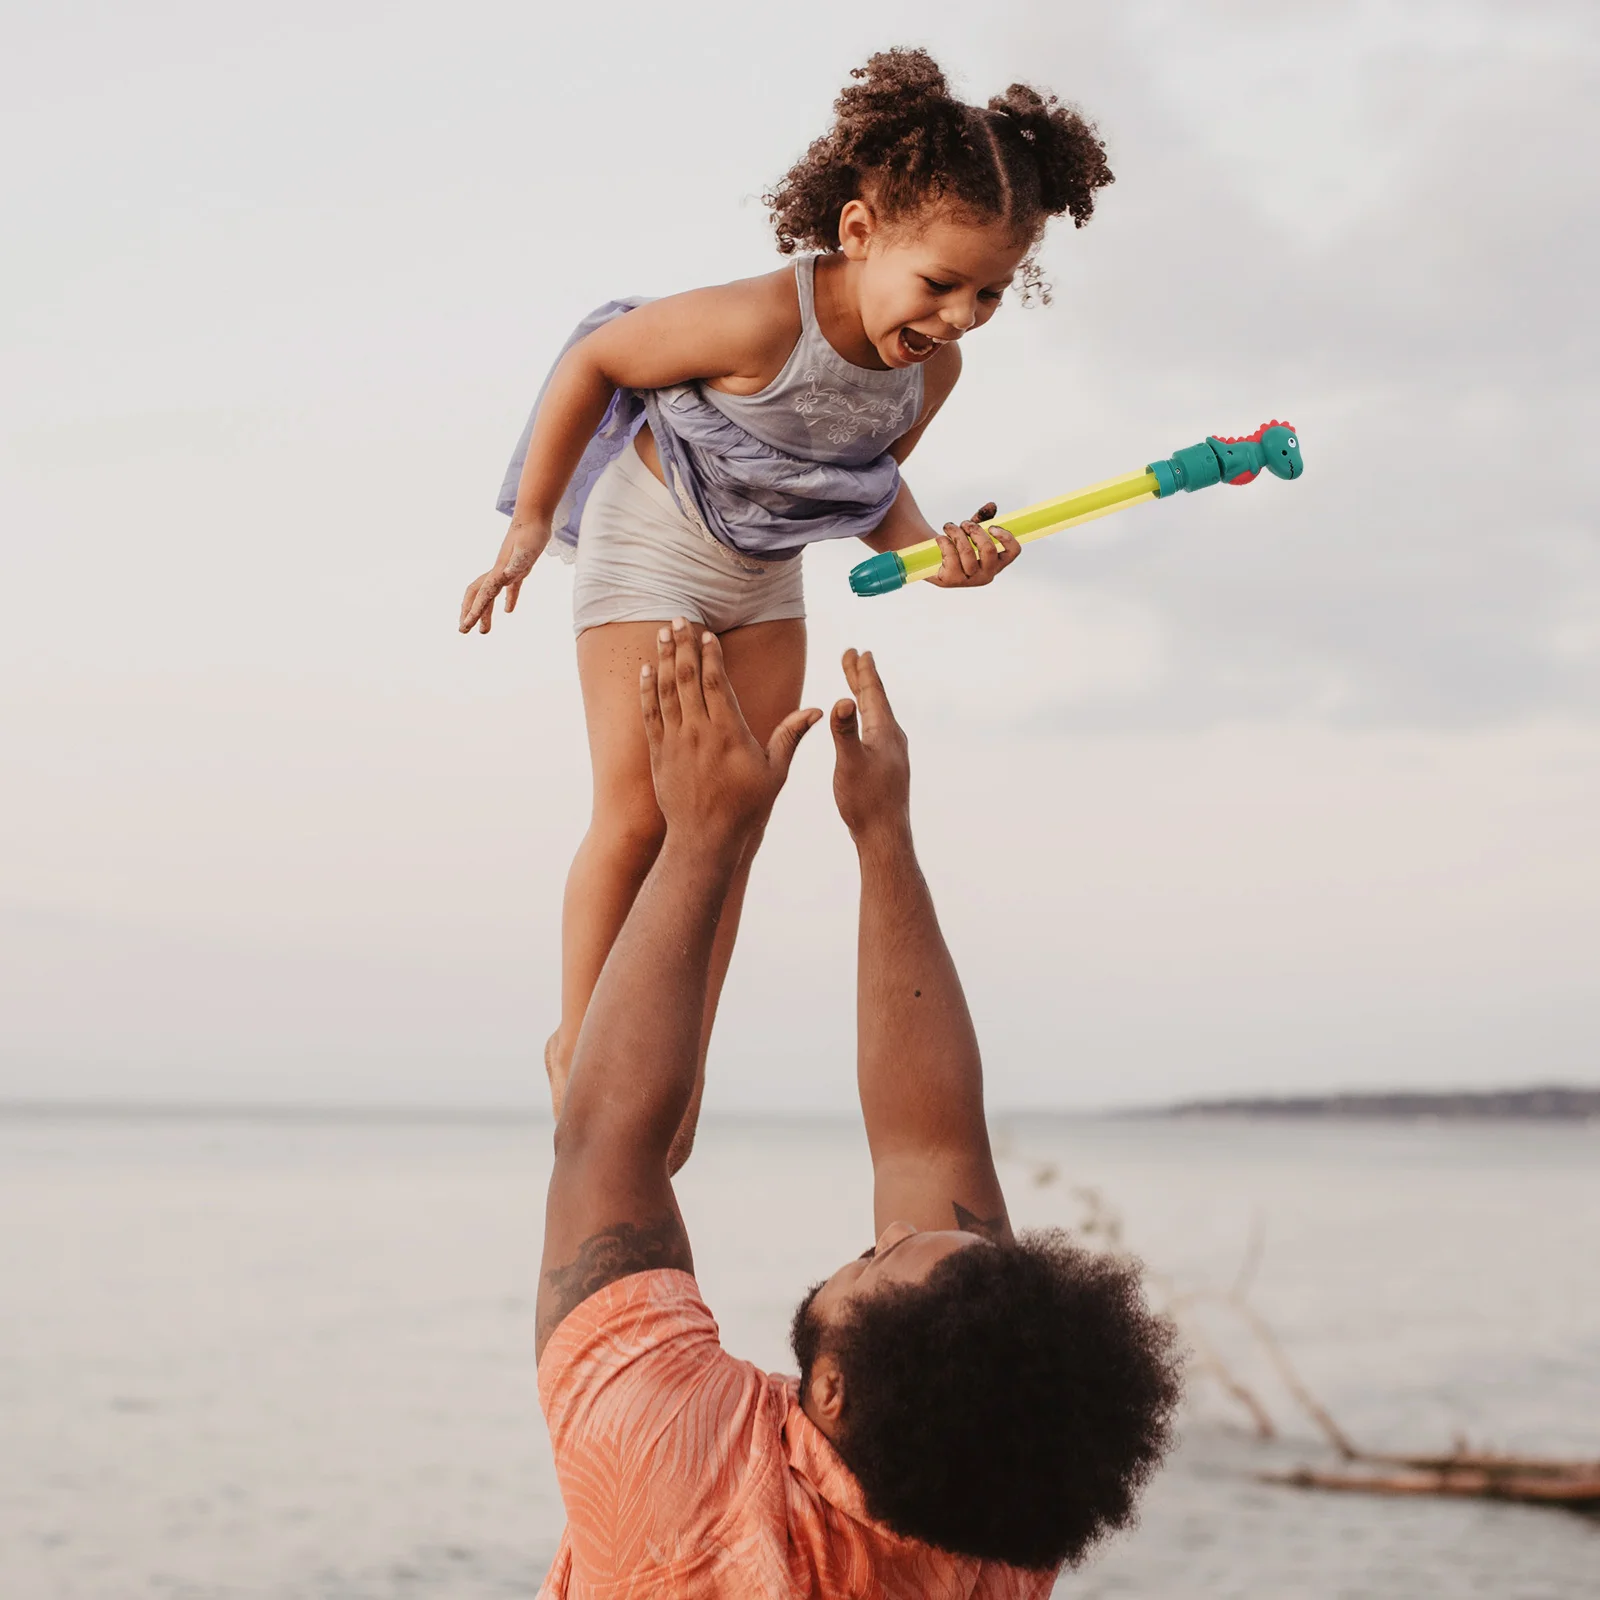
(916,346)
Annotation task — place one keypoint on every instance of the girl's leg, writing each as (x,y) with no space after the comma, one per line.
(766,666)
(625,826)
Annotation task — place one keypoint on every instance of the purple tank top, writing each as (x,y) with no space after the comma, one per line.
(805,459)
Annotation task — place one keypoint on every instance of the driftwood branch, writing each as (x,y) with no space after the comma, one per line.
(1208,1361)
(1530,1480)
(1292,1381)
(1573,1485)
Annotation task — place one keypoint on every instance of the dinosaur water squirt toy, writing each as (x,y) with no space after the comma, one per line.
(1274,447)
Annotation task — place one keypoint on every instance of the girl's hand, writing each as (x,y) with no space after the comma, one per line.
(524,544)
(971,556)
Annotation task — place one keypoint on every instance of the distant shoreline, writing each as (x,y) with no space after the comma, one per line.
(1549,1103)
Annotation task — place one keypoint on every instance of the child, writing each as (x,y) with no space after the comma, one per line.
(700,442)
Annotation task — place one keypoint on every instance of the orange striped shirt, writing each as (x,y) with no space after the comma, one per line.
(685,1472)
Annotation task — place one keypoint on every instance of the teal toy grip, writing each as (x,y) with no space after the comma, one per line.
(881,575)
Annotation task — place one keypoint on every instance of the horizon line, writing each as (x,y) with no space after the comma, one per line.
(21,1108)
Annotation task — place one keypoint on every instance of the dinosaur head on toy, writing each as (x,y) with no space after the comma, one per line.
(1274,446)
(1282,447)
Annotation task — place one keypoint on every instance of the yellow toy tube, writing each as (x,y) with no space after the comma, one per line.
(1034,522)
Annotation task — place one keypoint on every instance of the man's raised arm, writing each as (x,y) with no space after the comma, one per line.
(919,1072)
(611,1210)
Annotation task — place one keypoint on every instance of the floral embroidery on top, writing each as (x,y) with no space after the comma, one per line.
(844,418)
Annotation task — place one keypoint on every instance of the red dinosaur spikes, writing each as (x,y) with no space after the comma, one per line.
(1253,438)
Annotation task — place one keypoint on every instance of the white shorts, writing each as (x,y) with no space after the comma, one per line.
(641,560)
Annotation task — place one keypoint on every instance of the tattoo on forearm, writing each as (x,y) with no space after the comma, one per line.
(970,1222)
(615,1252)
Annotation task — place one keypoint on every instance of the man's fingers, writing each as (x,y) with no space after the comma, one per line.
(512,591)
(667,678)
(650,706)
(984,512)
(686,657)
(874,700)
(845,726)
(850,661)
(722,704)
(786,738)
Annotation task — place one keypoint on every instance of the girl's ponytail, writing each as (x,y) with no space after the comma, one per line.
(1067,161)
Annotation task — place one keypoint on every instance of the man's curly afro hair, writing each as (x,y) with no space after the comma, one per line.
(901,138)
(1011,1406)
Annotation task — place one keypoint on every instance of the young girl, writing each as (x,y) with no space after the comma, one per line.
(691,447)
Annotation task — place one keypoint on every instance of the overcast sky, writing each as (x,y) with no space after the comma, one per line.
(1281,789)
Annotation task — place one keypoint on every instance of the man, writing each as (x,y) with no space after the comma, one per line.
(973,1410)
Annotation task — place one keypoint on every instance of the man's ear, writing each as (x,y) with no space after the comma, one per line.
(826,1394)
(858,224)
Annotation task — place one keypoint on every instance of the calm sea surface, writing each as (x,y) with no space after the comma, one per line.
(294,1360)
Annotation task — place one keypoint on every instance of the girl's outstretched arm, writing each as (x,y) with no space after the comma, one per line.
(971,558)
(740,333)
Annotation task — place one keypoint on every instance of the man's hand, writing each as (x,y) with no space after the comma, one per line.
(713,781)
(872,771)
(971,556)
(525,542)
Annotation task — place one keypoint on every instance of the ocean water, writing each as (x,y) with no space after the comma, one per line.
(293,1359)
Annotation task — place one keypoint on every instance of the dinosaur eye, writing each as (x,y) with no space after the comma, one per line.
(1294,443)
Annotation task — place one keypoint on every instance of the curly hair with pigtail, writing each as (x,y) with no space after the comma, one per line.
(904,143)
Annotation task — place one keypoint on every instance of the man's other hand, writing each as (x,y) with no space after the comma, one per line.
(872,770)
(714,783)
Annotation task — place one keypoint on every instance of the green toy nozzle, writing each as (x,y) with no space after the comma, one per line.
(881,575)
